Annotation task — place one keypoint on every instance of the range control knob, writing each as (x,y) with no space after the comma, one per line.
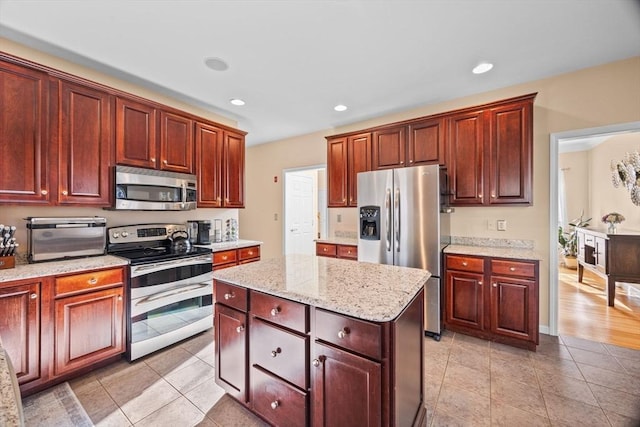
(115,235)
(125,234)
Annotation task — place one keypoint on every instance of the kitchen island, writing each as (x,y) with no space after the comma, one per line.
(307,340)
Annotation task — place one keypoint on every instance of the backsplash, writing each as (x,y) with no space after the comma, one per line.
(498,243)
(346,234)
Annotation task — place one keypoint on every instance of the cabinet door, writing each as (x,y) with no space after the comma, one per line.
(233,170)
(426,143)
(358,160)
(389,148)
(337,172)
(24,147)
(514,308)
(136,143)
(209,165)
(466,158)
(176,143)
(231,351)
(601,254)
(510,154)
(88,328)
(85,145)
(346,389)
(464,299)
(20,328)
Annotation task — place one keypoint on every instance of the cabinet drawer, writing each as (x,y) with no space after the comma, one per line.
(281,352)
(349,252)
(249,253)
(512,268)
(88,281)
(326,249)
(225,257)
(278,402)
(231,295)
(283,312)
(349,333)
(465,263)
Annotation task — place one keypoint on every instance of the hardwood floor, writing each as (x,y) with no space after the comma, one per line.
(583,310)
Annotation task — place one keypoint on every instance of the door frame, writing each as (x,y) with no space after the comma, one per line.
(285,195)
(554,145)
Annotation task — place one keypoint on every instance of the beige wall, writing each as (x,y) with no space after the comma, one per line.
(592,97)
(575,167)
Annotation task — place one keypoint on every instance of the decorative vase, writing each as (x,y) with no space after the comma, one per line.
(612,228)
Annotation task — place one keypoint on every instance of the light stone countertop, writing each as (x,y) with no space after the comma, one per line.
(495,252)
(54,268)
(375,292)
(237,244)
(10,403)
(339,241)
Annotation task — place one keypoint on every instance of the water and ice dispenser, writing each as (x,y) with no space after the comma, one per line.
(370,222)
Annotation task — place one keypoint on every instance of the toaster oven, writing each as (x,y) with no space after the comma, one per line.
(56,238)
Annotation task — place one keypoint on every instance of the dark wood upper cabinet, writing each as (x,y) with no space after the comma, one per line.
(24,135)
(176,143)
(337,172)
(466,158)
(85,145)
(358,160)
(389,147)
(209,154)
(136,134)
(233,176)
(426,143)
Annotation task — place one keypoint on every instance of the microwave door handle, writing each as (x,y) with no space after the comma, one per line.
(386,220)
(184,195)
(396,219)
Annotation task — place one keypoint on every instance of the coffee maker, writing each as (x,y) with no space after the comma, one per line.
(199,232)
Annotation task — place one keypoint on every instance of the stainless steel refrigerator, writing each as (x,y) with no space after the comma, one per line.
(404,221)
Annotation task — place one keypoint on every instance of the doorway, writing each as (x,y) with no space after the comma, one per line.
(305,209)
(555,205)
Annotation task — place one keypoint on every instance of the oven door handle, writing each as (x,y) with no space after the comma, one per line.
(138,270)
(171,292)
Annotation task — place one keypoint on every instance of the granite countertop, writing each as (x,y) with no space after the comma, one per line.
(364,290)
(237,244)
(493,251)
(339,241)
(10,404)
(54,268)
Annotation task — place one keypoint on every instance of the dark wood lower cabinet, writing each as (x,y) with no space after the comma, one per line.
(231,351)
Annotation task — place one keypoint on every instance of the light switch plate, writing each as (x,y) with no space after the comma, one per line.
(502,225)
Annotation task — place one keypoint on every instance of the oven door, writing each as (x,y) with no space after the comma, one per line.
(169,301)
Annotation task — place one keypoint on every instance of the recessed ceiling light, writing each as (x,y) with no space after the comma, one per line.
(340,107)
(236,101)
(217,64)
(482,67)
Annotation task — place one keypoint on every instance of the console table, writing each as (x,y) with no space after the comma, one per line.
(615,257)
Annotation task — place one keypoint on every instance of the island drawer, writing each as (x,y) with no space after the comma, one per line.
(88,281)
(249,253)
(347,251)
(465,263)
(225,257)
(283,312)
(326,249)
(281,352)
(278,402)
(347,332)
(512,268)
(233,296)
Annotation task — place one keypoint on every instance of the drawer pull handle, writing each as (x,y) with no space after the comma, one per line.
(33,296)
(275,311)
(92,281)
(275,404)
(275,352)
(240,329)
(512,269)
(464,263)
(342,333)
(316,362)
(230,295)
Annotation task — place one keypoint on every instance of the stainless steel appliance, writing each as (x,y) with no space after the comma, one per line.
(53,238)
(404,221)
(170,282)
(152,190)
(199,232)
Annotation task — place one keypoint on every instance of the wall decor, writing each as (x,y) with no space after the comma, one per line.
(626,173)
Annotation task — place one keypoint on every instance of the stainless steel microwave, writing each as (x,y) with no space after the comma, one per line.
(152,190)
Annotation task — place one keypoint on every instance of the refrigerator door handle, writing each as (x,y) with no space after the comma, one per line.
(396,219)
(387,225)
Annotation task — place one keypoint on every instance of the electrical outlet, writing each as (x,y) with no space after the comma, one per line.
(502,225)
(491,225)
(339,218)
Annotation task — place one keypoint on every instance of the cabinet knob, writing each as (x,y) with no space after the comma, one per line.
(493,195)
(219,199)
(250,253)
(119,297)
(324,249)
(464,263)
(65,192)
(275,404)
(33,296)
(240,329)
(495,285)
(401,162)
(342,333)
(275,311)
(165,162)
(92,281)
(512,269)
(410,161)
(480,283)
(275,352)
(224,257)
(480,196)
(316,362)
(153,159)
(44,192)
(228,296)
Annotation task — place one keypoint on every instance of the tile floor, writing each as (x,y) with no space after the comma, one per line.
(469,382)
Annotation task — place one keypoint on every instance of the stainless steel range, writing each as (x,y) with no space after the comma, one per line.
(170,285)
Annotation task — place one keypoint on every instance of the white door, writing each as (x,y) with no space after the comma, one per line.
(299,212)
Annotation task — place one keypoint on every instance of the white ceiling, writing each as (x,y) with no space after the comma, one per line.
(293,61)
